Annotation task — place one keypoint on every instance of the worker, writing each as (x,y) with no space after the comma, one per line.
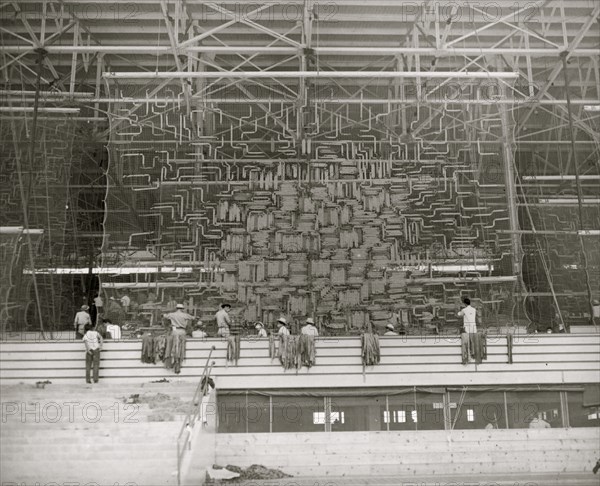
(114,311)
(282,329)
(93,344)
(309,328)
(199,331)
(539,423)
(260,330)
(82,318)
(390,330)
(469,315)
(113,331)
(176,345)
(223,321)
(179,319)
(125,302)
(596,311)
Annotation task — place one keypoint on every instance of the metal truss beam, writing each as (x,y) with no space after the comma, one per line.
(278,50)
(311,74)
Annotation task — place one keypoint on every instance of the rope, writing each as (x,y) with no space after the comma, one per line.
(459,406)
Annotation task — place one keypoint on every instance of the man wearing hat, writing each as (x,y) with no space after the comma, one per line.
(179,319)
(309,328)
(390,330)
(282,329)
(82,318)
(260,330)
(223,321)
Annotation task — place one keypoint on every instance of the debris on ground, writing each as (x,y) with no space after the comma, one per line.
(219,474)
(163,380)
(132,399)
(42,384)
(254,472)
(164,407)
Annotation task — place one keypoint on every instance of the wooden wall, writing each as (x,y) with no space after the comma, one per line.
(555,358)
(417,455)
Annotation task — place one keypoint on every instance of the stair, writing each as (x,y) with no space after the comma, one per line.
(88,434)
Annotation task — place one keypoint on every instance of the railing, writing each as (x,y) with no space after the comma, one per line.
(190,419)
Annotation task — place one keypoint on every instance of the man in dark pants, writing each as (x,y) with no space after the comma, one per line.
(93,344)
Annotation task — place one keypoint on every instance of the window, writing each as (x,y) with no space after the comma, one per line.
(533,409)
(298,414)
(400,414)
(579,415)
(477,410)
(429,414)
(243,413)
(231,414)
(257,413)
(357,413)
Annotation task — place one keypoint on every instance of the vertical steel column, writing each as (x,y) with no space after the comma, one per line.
(510,189)
(563,56)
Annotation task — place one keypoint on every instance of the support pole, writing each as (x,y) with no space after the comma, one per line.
(511,192)
(563,56)
(25,198)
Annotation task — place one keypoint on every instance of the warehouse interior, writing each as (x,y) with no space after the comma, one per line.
(338,160)
(398,200)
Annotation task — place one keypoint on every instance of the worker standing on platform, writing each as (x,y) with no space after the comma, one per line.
(309,328)
(223,321)
(82,318)
(260,330)
(471,341)
(125,302)
(176,341)
(282,329)
(179,319)
(93,344)
(390,330)
(469,315)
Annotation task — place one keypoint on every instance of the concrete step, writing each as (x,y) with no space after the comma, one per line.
(405,458)
(565,479)
(97,472)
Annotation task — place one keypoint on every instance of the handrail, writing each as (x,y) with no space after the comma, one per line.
(191,417)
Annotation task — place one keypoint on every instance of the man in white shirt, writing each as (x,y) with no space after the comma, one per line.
(469,315)
(260,330)
(309,328)
(82,318)
(473,345)
(282,329)
(113,330)
(93,345)
(125,302)
(199,332)
(223,321)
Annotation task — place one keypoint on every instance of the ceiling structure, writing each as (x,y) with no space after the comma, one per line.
(437,133)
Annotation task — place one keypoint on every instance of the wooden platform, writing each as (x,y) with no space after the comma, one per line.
(406,361)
